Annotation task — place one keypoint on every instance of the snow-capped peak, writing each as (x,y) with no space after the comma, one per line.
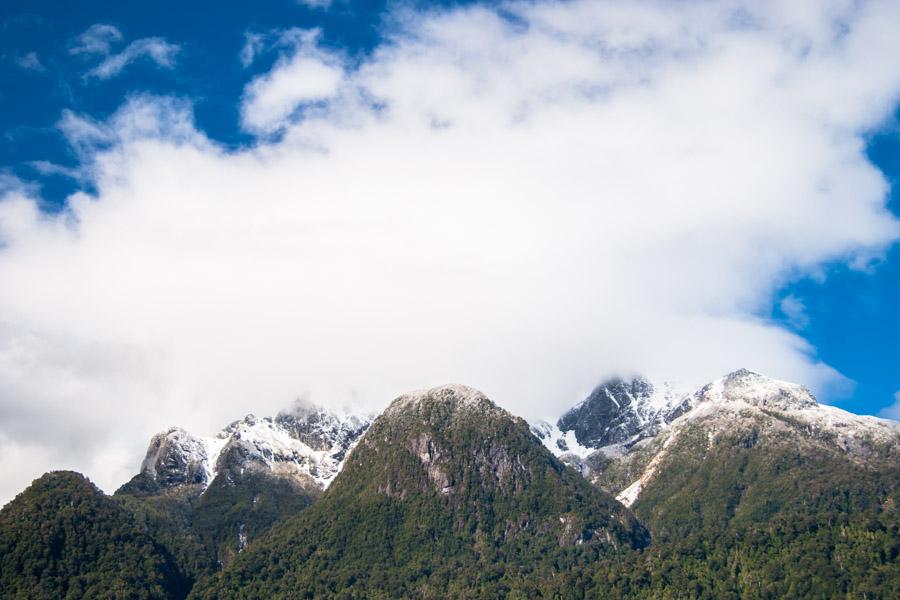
(304,444)
(621,415)
(618,410)
(176,457)
(746,386)
(744,389)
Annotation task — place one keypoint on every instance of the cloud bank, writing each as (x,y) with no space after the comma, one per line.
(525,203)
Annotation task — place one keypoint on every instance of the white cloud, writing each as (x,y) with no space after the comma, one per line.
(98,42)
(46,167)
(892,411)
(795,311)
(97,39)
(317,4)
(155,49)
(254,43)
(524,207)
(143,116)
(307,75)
(11,185)
(30,62)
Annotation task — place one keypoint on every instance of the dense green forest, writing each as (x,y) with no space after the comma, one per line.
(63,538)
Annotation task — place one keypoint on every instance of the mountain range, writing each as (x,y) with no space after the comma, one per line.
(744,488)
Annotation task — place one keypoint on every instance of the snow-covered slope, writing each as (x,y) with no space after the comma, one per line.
(745,393)
(305,444)
(631,427)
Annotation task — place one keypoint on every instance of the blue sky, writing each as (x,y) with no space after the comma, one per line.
(599,193)
(853,319)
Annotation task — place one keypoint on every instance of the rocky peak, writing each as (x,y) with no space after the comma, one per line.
(625,429)
(175,457)
(456,436)
(320,428)
(617,411)
(306,445)
(444,471)
(758,390)
(454,444)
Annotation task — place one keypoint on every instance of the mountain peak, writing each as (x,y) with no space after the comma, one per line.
(758,390)
(452,396)
(443,478)
(305,446)
(176,457)
(614,412)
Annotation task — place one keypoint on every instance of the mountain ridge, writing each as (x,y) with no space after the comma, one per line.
(304,444)
(705,494)
(444,482)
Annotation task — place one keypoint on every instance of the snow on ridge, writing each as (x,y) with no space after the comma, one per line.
(621,411)
(664,411)
(275,446)
(272,445)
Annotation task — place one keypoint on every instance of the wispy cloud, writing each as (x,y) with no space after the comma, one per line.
(144,116)
(317,4)
(795,310)
(99,40)
(892,411)
(11,184)
(30,62)
(254,43)
(45,167)
(290,40)
(156,50)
